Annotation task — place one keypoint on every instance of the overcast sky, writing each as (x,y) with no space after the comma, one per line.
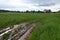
(23,5)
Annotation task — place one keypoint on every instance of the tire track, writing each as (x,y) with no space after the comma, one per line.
(27,34)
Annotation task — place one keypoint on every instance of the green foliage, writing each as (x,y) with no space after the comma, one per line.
(9,19)
(49,29)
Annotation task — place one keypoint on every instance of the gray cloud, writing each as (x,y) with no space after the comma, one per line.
(30,4)
(46,4)
(41,2)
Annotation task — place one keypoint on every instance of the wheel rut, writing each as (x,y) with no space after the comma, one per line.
(19,31)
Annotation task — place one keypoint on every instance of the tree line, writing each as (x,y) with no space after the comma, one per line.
(27,11)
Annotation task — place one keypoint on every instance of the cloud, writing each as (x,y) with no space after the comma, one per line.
(16,5)
(46,4)
(30,4)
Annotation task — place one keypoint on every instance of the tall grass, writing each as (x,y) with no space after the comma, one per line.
(8,19)
(49,29)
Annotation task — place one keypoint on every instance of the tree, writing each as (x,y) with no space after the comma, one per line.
(47,11)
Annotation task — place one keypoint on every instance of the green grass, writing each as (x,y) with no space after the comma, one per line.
(49,29)
(11,19)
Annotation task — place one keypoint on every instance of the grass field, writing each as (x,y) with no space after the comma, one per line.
(49,28)
(8,19)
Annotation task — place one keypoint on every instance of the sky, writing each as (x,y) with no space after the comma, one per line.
(23,5)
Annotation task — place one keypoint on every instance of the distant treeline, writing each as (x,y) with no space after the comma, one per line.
(27,11)
(8,11)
